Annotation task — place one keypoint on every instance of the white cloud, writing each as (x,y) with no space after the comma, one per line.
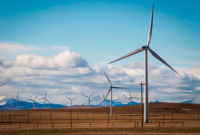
(64,59)
(193,71)
(67,73)
(11,47)
(197,88)
(60,47)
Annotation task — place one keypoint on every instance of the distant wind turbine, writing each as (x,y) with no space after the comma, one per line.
(110,91)
(45,99)
(17,99)
(146,48)
(103,100)
(96,101)
(196,96)
(33,100)
(130,98)
(88,99)
(71,100)
(3,84)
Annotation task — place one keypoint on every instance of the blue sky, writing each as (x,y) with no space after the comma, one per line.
(99,31)
(108,28)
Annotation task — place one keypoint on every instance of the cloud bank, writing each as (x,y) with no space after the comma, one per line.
(69,74)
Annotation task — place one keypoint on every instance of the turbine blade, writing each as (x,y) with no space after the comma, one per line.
(151,27)
(85,96)
(17,94)
(35,98)
(102,95)
(132,53)
(74,98)
(160,59)
(107,93)
(3,84)
(68,98)
(128,99)
(46,94)
(47,100)
(108,79)
(119,87)
(130,92)
(102,101)
(92,94)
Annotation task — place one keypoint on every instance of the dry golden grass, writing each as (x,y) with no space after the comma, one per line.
(166,118)
(111,131)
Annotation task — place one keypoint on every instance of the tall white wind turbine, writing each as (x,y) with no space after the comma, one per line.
(88,99)
(110,91)
(146,48)
(33,100)
(71,100)
(130,98)
(45,99)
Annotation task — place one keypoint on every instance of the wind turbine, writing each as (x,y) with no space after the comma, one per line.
(96,101)
(71,100)
(103,100)
(146,48)
(45,99)
(33,100)
(110,91)
(195,97)
(130,97)
(17,99)
(88,99)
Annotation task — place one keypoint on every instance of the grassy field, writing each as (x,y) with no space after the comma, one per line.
(110,131)
(168,118)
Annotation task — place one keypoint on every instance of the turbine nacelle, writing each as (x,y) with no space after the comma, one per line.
(145,47)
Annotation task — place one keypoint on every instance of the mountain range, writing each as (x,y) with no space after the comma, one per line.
(10,104)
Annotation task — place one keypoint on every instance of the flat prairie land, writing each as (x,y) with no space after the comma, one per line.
(109,131)
(164,118)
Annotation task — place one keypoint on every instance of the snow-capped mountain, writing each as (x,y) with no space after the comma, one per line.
(7,103)
(154,101)
(121,101)
(11,104)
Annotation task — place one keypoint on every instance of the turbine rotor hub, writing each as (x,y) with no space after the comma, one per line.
(145,47)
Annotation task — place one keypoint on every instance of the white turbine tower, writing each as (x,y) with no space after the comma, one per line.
(130,98)
(147,48)
(45,99)
(71,100)
(33,100)
(88,99)
(110,91)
